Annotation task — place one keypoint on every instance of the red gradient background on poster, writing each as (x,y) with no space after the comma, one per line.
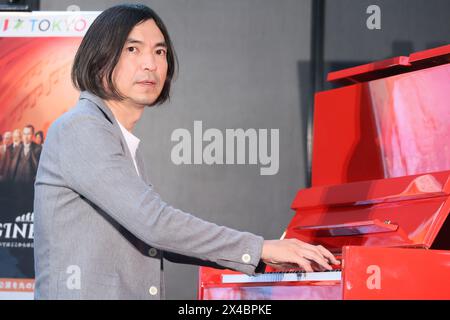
(35,86)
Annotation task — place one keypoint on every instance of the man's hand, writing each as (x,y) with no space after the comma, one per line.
(291,253)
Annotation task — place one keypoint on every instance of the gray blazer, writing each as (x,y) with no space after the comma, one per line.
(101,231)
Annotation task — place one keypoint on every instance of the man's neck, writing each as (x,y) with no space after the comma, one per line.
(127,114)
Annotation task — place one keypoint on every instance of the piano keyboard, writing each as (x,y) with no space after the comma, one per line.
(333,275)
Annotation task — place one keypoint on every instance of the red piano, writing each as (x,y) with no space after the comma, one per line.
(380,195)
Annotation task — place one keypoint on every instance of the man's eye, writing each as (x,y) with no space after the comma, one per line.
(161,52)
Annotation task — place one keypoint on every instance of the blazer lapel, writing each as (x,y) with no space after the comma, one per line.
(109,115)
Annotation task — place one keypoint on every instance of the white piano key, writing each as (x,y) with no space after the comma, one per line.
(283,277)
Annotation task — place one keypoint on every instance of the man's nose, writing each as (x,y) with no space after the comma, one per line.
(149,62)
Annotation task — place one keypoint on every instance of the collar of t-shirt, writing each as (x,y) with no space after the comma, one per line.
(26,148)
(132,143)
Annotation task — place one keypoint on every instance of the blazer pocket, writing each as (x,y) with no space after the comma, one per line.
(90,286)
(67,287)
(101,286)
(106,279)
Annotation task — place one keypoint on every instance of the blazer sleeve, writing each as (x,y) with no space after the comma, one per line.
(93,164)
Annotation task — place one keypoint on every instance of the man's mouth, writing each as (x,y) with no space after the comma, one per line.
(147,82)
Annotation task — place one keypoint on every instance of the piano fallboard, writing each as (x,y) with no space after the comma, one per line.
(407,211)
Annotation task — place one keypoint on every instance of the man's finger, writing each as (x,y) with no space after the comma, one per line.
(312,255)
(323,252)
(305,264)
(328,254)
(320,250)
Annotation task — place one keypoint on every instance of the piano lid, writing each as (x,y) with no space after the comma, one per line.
(405,211)
(392,66)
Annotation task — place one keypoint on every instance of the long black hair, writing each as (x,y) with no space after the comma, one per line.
(101,47)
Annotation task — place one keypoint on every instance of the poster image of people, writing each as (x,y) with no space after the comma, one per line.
(18,166)
(35,89)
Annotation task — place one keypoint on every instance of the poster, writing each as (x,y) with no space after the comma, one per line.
(36,54)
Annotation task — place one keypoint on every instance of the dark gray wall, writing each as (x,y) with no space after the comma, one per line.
(406,26)
(238,69)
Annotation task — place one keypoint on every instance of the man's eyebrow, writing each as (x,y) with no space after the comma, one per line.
(131,40)
(159,44)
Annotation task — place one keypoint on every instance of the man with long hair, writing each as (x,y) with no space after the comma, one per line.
(101,230)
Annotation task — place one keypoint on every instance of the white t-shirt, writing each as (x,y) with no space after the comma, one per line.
(132,143)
